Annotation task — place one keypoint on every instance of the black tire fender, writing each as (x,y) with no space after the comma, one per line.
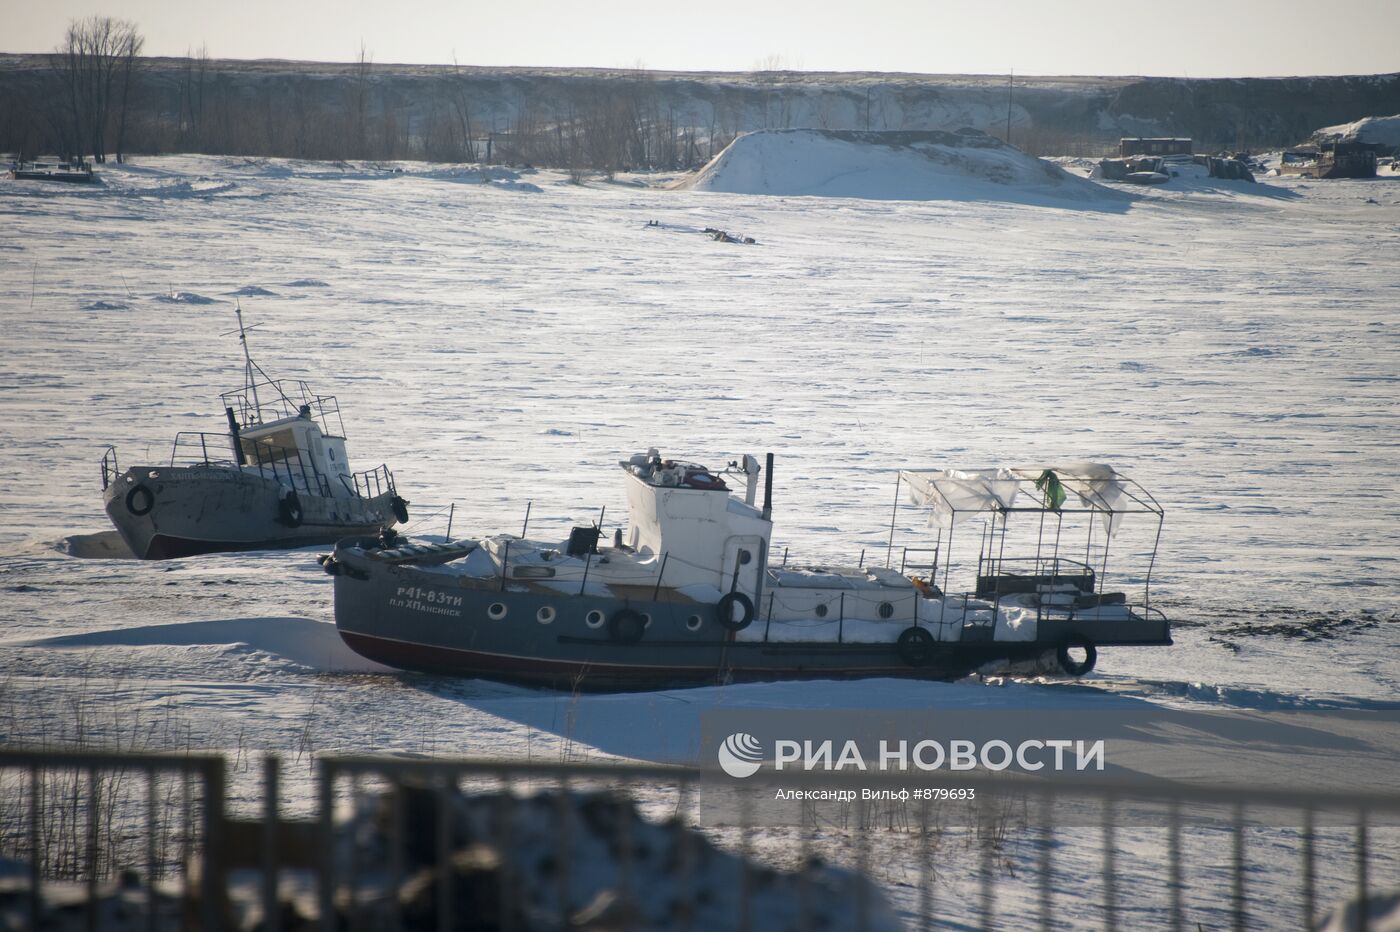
(915,646)
(627,626)
(399,507)
(289,509)
(140,500)
(1069,664)
(724,610)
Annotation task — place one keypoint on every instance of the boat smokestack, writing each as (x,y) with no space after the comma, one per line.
(750,479)
(233,435)
(768,489)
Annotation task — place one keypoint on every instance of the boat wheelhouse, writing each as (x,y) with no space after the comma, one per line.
(688,592)
(279,477)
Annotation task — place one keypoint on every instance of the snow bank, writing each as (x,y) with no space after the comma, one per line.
(312,644)
(914,166)
(103,545)
(1376,130)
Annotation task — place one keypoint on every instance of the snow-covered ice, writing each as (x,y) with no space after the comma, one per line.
(1234,347)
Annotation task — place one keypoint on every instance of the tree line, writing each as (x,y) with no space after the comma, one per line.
(97,97)
(89,82)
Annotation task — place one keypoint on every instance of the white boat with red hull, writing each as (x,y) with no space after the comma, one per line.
(687,593)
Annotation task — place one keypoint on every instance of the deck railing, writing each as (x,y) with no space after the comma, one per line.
(110,467)
(371,483)
(275,399)
(291,467)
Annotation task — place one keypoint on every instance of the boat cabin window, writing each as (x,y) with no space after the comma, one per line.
(278,446)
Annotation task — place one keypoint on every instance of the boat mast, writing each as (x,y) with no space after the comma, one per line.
(248,381)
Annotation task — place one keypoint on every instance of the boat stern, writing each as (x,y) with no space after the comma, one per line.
(1149,629)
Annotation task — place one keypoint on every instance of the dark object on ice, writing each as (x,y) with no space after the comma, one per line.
(1134,171)
(1159,145)
(1331,160)
(723,236)
(77,171)
(1228,169)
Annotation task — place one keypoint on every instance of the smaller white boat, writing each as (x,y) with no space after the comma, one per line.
(279,477)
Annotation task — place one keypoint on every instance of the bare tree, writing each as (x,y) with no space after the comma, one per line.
(462,111)
(128,62)
(193,84)
(94,67)
(359,106)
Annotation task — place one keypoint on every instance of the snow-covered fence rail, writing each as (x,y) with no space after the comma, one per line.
(647,875)
(399,843)
(126,829)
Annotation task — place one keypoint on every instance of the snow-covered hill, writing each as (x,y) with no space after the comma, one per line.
(887,166)
(1375,130)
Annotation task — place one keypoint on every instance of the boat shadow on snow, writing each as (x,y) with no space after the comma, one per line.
(667,726)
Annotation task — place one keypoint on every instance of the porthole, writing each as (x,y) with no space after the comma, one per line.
(545,615)
(693,623)
(594,619)
(497,611)
(646,621)
(821,611)
(886,610)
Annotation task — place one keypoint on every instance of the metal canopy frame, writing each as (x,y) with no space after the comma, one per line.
(1087,501)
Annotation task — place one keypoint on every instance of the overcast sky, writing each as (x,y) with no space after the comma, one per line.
(1091,37)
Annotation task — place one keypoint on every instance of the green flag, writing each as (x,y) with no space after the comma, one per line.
(1049,484)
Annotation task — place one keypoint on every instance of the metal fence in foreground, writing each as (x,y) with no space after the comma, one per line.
(159,823)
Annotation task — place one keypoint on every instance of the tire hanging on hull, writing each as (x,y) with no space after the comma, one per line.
(627,626)
(915,646)
(1066,659)
(724,608)
(289,509)
(140,500)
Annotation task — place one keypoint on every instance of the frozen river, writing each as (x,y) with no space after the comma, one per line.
(507,338)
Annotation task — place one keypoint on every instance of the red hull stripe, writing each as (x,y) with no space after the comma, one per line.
(432,659)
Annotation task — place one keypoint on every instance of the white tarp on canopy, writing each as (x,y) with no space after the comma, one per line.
(954,495)
(1096,485)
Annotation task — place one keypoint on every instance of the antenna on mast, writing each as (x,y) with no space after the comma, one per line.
(251,370)
(249,381)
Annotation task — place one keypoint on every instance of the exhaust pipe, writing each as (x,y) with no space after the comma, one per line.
(768,489)
(233,434)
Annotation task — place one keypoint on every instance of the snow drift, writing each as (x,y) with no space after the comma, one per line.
(1375,130)
(913,166)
